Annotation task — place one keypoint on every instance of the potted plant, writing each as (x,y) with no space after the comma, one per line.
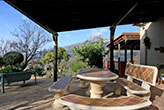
(147,42)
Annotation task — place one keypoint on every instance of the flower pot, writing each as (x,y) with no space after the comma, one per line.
(147,46)
(161,49)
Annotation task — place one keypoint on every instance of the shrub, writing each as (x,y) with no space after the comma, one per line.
(77,65)
(13,58)
(1,61)
(71,67)
(90,53)
(62,54)
(68,72)
(39,70)
(6,69)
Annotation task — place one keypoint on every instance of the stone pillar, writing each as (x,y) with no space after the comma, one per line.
(96,89)
(56,104)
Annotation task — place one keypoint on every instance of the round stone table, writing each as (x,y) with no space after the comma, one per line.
(96,77)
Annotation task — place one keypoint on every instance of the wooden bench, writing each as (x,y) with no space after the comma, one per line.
(147,75)
(60,88)
(15,77)
(76,102)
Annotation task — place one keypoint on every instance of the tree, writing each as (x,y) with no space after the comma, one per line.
(62,54)
(29,41)
(90,53)
(4,46)
(13,58)
(49,57)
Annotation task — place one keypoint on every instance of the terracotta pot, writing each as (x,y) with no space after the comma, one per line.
(161,50)
(147,46)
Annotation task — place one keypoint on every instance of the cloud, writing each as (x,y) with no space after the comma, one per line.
(103,30)
(97,32)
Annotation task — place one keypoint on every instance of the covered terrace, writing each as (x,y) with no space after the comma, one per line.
(65,15)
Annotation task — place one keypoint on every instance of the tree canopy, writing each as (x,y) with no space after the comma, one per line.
(13,58)
(4,46)
(29,39)
(62,54)
(91,53)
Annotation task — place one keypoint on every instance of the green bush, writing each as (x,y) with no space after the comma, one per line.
(68,72)
(62,54)
(1,61)
(6,69)
(71,67)
(13,58)
(90,53)
(37,68)
(77,65)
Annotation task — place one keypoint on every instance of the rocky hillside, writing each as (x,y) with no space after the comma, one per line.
(91,40)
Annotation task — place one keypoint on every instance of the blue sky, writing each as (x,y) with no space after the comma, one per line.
(10,19)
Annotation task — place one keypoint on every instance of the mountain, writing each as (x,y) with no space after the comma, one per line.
(95,39)
(91,40)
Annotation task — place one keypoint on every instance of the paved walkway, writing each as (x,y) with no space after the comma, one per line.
(37,97)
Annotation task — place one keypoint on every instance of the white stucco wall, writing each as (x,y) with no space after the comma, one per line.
(155,31)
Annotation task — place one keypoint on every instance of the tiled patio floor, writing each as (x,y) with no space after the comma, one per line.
(37,97)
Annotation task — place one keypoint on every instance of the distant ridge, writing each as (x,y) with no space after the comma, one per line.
(91,40)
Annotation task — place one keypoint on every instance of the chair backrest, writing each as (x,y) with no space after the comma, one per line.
(144,73)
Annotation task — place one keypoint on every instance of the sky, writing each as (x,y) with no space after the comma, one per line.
(11,19)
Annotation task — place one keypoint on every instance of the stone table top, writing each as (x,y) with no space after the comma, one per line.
(94,74)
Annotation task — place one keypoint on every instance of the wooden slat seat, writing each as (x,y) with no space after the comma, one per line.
(60,87)
(125,103)
(147,75)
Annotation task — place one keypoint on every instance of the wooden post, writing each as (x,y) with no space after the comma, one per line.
(112,31)
(2,84)
(108,54)
(118,58)
(55,38)
(125,53)
(145,55)
(35,74)
(131,53)
(146,50)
